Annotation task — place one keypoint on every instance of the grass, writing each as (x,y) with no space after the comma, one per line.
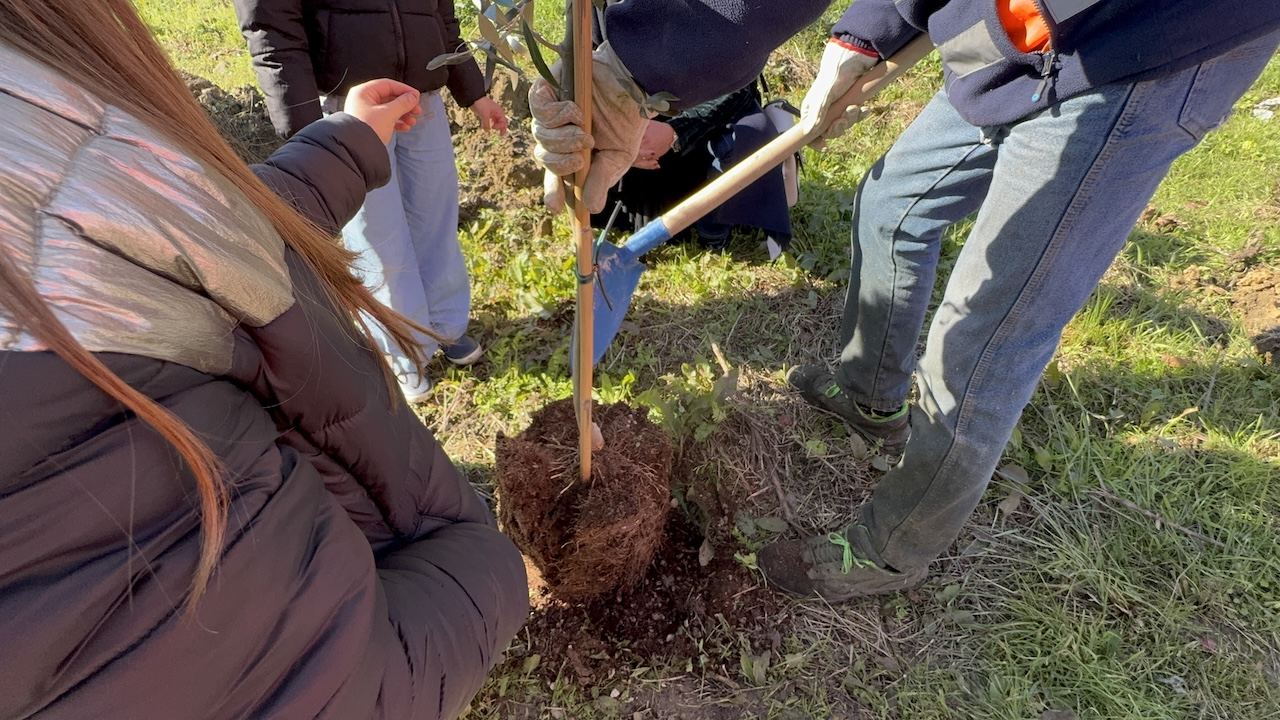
(1125,563)
(202,38)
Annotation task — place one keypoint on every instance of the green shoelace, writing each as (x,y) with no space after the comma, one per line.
(848,558)
(839,539)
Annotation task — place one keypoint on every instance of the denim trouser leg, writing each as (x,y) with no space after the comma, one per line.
(406,235)
(936,174)
(1065,190)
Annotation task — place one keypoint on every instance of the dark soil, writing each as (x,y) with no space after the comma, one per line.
(240,115)
(494,171)
(588,539)
(677,603)
(694,588)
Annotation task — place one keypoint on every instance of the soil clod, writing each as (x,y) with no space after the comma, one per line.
(588,539)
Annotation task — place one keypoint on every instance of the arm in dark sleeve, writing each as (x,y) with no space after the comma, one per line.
(326,169)
(695,125)
(324,385)
(466,82)
(278,43)
(698,50)
(880,24)
(456,598)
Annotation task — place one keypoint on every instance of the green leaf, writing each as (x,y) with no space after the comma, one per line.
(490,33)
(456,58)
(1044,459)
(773,525)
(1152,409)
(948,593)
(1053,374)
(535,54)
(760,668)
(745,524)
(703,431)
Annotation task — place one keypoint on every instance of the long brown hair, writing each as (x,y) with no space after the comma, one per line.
(104,47)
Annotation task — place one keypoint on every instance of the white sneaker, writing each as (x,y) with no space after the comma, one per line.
(416,388)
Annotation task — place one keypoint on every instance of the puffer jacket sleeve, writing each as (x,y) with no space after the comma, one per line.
(455,587)
(322,379)
(479,598)
(281,55)
(326,169)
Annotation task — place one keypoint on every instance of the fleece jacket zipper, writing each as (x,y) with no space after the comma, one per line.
(1049,70)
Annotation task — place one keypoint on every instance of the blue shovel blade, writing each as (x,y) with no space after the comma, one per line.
(618,271)
(617,277)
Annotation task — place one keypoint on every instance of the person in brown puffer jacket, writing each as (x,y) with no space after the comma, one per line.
(212,504)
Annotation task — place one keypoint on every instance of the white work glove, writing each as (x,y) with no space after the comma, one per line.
(842,65)
(618,121)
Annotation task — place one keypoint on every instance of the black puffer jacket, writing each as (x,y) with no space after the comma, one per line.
(305,48)
(361,576)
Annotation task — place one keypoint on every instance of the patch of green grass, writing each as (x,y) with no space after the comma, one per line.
(202,37)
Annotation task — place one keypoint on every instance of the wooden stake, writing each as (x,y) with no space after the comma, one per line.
(580,30)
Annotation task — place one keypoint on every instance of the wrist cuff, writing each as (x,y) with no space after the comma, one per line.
(850,44)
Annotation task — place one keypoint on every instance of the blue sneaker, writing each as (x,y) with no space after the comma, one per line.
(463,351)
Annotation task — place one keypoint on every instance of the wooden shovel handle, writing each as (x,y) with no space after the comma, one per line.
(780,148)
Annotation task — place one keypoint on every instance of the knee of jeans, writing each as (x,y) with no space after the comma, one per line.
(872,207)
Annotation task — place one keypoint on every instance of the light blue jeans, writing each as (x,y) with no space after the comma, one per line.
(1056,195)
(406,235)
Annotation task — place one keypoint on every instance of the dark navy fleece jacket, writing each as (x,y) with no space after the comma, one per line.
(700,49)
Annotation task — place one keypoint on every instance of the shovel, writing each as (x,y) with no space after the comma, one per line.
(618,269)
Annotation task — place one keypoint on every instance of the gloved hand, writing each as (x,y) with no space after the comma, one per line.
(617,126)
(842,65)
(552,191)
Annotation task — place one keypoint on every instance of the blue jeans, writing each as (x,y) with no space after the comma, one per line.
(406,235)
(1056,195)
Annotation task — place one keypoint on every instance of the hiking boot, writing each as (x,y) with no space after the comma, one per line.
(829,567)
(819,388)
(463,351)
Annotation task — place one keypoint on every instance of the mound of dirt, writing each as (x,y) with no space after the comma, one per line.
(494,171)
(698,601)
(240,116)
(677,603)
(591,539)
(1256,295)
